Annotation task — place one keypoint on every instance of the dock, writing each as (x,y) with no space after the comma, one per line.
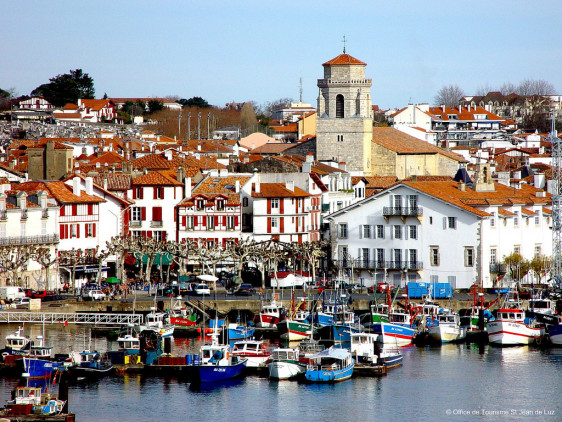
(363,370)
(84,318)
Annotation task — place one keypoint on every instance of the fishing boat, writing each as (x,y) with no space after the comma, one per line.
(180,316)
(294,330)
(217,363)
(330,365)
(512,328)
(447,328)
(39,363)
(17,343)
(555,333)
(129,344)
(256,351)
(397,331)
(270,315)
(92,365)
(156,321)
(31,401)
(284,364)
(367,351)
(236,331)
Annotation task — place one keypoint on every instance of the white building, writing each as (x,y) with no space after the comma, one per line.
(434,230)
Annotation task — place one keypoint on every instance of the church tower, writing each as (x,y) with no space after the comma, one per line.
(344,128)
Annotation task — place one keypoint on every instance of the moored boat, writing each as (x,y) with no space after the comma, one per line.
(555,333)
(293,330)
(330,365)
(217,363)
(256,351)
(270,315)
(240,332)
(156,321)
(284,364)
(17,343)
(366,350)
(511,328)
(31,400)
(447,328)
(92,365)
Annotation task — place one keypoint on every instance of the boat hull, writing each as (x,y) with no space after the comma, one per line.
(182,322)
(38,368)
(394,334)
(268,321)
(240,333)
(447,333)
(555,334)
(213,373)
(325,376)
(294,330)
(284,370)
(85,372)
(512,333)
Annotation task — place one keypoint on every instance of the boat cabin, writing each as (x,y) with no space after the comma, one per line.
(542,306)
(285,354)
(28,395)
(400,318)
(447,318)
(155,319)
(363,344)
(332,359)
(511,315)
(17,341)
(129,342)
(250,348)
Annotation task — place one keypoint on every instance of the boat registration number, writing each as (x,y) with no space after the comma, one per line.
(219,370)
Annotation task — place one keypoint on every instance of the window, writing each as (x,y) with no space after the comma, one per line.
(189,222)
(340,138)
(137,193)
(452,280)
(158,193)
(468,257)
(339,107)
(413,232)
(274,222)
(136,213)
(157,214)
(342,254)
(245,202)
(339,205)
(343,231)
(434,255)
(430,220)
(517,249)
(157,235)
(274,203)
(397,257)
(211,223)
(413,256)
(452,222)
(516,219)
(22,229)
(200,204)
(43,229)
(380,257)
(537,220)
(89,230)
(538,250)
(397,232)
(493,220)
(230,222)
(398,201)
(365,257)
(413,201)
(492,256)
(220,205)
(74,230)
(380,231)
(366,231)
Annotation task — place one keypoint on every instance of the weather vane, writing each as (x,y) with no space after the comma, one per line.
(344,40)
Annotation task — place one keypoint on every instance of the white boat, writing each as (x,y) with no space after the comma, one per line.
(17,343)
(366,350)
(512,329)
(156,321)
(271,314)
(447,328)
(284,364)
(129,344)
(255,351)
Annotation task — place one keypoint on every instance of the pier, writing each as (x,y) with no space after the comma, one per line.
(84,318)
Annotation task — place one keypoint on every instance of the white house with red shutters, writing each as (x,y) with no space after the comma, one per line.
(155,196)
(212,211)
(36,103)
(281,211)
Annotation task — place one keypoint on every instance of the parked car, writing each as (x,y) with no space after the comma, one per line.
(22,303)
(202,289)
(245,290)
(380,287)
(94,295)
(40,294)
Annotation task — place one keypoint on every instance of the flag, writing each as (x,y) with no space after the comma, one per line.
(320,289)
(65,323)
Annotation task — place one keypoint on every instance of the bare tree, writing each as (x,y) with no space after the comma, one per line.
(248,118)
(69,260)
(508,88)
(43,256)
(531,86)
(484,89)
(14,257)
(449,95)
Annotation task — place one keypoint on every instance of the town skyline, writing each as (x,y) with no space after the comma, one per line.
(511,42)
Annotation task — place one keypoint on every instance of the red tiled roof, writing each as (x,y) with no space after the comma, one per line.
(61,192)
(277,190)
(343,60)
(155,178)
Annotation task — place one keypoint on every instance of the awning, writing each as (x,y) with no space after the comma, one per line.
(158,259)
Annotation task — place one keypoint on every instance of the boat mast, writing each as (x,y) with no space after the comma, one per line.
(556,204)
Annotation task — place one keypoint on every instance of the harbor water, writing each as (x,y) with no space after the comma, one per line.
(452,382)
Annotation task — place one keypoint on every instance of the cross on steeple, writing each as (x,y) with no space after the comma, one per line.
(344,41)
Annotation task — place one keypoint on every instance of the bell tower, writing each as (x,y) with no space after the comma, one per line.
(344,130)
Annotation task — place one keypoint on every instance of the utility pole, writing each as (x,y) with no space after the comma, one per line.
(179,126)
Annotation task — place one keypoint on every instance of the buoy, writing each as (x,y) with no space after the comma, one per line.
(199,330)
(208,330)
(187,342)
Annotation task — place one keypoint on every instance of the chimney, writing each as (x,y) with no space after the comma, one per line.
(310,157)
(42,199)
(443,108)
(306,167)
(168,155)
(237,186)
(257,186)
(89,185)
(180,174)
(98,165)
(462,186)
(290,185)
(246,159)
(342,166)
(187,183)
(198,147)
(223,172)
(105,181)
(76,186)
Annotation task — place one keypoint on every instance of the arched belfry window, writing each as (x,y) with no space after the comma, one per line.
(339,107)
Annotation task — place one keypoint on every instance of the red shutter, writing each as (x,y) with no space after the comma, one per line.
(62,211)
(74,209)
(134,193)
(154,192)
(204,222)
(224,221)
(282,225)
(164,236)
(143,213)
(149,233)
(195,221)
(157,214)
(184,219)
(94,229)
(235,221)
(281,208)
(216,221)
(78,230)
(61,227)
(67,231)
(90,209)
(269,225)
(269,206)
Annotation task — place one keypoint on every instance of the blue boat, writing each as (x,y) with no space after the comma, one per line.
(555,333)
(330,365)
(217,364)
(240,332)
(39,363)
(92,365)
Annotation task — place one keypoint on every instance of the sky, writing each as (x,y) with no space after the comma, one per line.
(258,51)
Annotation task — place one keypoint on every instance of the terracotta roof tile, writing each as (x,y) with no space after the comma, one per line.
(115,181)
(277,190)
(155,178)
(344,59)
(505,213)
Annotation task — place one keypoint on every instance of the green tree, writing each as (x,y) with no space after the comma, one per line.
(194,102)
(67,88)
(516,266)
(154,106)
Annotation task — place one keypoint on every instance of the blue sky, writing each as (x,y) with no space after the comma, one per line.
(247,50)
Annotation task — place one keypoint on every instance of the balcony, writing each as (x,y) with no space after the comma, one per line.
(29,240)
(402,211)
(156,223)
(135,223)
(498,268)
(382,265)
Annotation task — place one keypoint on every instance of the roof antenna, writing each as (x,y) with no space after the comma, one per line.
(300,90)
(344,41)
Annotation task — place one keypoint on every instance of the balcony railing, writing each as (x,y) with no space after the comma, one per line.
(156,223)
(498,268)
(29,240)
(381,265)
(402,211)
(135,223)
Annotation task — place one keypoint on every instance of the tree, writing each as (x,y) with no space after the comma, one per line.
(247,116)
(540,265)
(43,256)
(67,88)
(154,106)
(194,102)
(531,86)
(268,108)
(449,95)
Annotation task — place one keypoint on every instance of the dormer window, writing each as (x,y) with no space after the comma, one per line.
(220,205)
(200,203)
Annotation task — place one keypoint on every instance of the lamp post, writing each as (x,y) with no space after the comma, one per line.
(179,126)
(189,125)
(199,126)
